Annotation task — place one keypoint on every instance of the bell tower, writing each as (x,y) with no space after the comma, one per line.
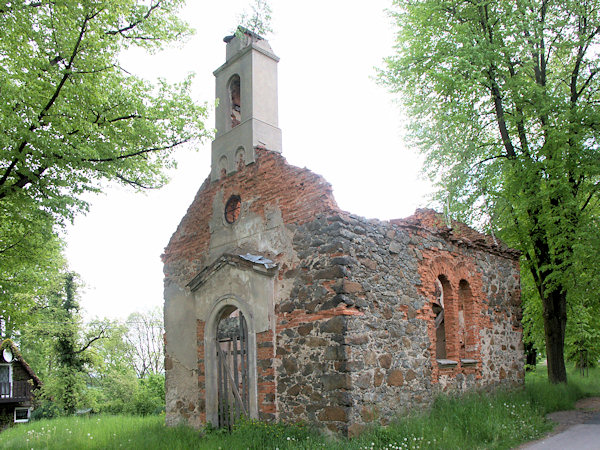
(246,116)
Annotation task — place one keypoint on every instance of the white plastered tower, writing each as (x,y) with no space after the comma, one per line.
(247,114)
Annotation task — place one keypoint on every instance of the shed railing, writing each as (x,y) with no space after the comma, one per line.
(15,392)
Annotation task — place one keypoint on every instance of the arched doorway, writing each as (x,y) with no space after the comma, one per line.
(233,380)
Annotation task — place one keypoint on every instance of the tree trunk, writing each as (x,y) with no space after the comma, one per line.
(555,321)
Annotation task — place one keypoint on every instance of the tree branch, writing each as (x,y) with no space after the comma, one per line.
(23,180)
(11,246)
(67,71)
(586,83)
(87,72)
(117,119)
(478,163)
(575,93)
(137,22)
(90,342)
(495,89)
(132,183)
(500,119)
(138,153)
(30,5)
(591,196)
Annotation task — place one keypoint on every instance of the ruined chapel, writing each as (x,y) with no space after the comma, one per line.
(281,306)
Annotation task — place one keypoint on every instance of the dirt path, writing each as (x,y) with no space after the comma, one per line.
(584,410)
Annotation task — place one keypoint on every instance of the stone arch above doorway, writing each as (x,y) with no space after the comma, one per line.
(230,362)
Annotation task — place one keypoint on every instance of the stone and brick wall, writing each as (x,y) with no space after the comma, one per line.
(265,355)
(356,337)
(299,194)
(352,339)
(275,196)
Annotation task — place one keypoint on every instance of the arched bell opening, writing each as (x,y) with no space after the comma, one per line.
(235,101)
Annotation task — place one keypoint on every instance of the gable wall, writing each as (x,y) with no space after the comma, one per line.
(276,197)
(19,372)
(268,187)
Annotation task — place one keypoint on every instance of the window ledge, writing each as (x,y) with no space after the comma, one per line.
(468,362)
(447,363)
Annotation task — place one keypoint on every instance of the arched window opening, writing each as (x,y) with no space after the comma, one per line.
(232,367)
(233,208)
(235,101)
(223,166)
(240,158)
(466,333)
(441,289)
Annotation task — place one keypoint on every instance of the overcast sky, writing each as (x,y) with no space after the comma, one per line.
(335,121)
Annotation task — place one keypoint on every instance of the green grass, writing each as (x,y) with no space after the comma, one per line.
(499,421)
(106,432)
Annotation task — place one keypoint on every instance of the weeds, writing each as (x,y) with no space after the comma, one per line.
(492,421)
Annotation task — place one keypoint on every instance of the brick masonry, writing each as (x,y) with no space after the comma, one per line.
(351,337)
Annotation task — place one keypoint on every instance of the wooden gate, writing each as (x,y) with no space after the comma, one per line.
(232,369)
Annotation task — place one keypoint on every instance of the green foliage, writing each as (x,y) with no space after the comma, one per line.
(92,366)
(69,108)
(114,392)
(149,396)
(102,432)
(561,397)
(257,20)
(72,118)
(60,349)
(533,326)
(583,329)
(47,409)
(503,98)
(255,434)
(477,420)
(67,381)
(124,393)
(31,263)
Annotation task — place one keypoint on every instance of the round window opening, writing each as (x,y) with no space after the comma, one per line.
(232,208)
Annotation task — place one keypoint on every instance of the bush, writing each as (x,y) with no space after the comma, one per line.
(46,410)
(149,396)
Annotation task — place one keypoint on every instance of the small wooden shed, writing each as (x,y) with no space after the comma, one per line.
(18,383)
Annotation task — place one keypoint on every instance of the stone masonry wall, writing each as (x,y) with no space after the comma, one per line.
(356,336)
(274,195)
(353,338)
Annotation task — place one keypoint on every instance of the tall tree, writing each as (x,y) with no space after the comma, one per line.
(72,118)
(145,339)
(504,101)
(70,115)
(71,348)
(59,347)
